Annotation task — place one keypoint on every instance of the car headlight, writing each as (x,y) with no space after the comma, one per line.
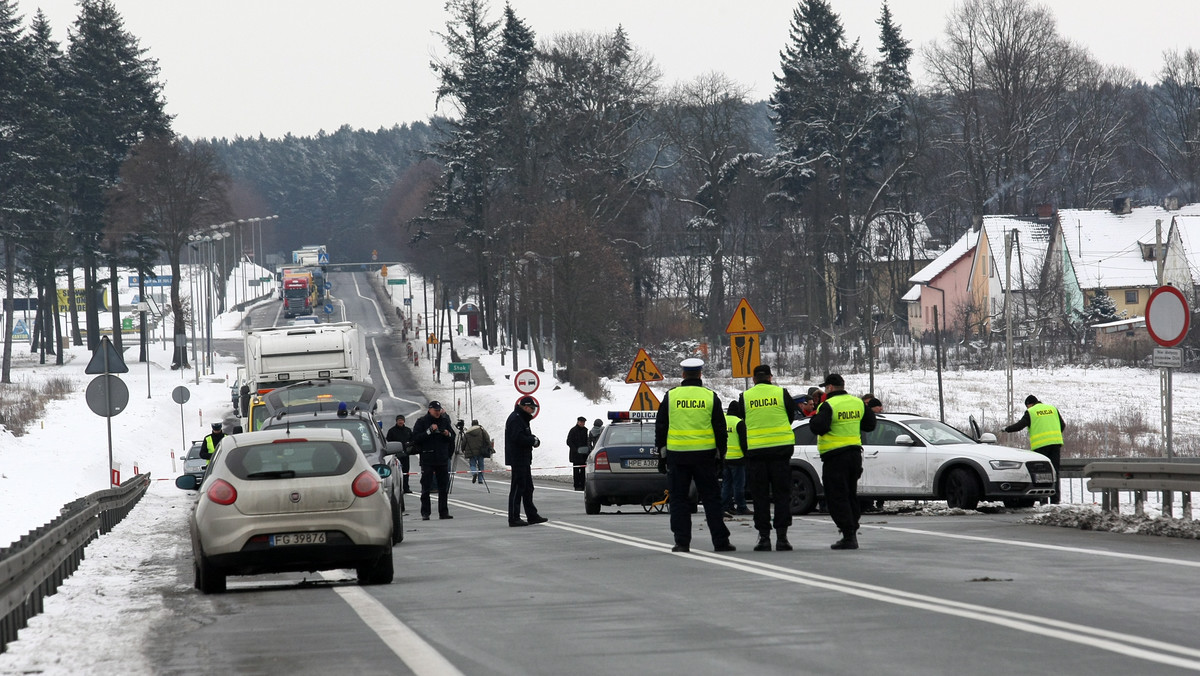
(1005,464)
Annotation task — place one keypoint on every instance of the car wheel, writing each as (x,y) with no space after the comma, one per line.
(804,492)
(381,572)
(962,489)
(209,579)
(590,506)
(397,524)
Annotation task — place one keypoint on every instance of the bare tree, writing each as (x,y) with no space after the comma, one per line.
(1176,134)
(170,190)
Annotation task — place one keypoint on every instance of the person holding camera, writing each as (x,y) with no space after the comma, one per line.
(519,442)
(433,438)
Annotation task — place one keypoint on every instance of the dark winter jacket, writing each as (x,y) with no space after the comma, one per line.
(577,445)
(401,434)
(594,434)
(435,447)
(519,441)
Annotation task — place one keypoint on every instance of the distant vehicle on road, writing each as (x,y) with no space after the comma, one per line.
(298,500)
(909,457)
(193,464)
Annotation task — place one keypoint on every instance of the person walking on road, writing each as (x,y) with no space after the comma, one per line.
(1046,427)
(433,437)
(733,476)
(577,450)
(691,436)
(519,442)
(839,424)
(399,432)
(475,446)
(768,439)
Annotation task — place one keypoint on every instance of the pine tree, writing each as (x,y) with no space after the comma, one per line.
(14,67)
(113,99)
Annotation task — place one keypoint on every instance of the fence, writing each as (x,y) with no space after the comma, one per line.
(33,567)
(1143,480)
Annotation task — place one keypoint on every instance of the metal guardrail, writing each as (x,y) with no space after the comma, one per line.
(33,567)
(1073,467)
(1109,478)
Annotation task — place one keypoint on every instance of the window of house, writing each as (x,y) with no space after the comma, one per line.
(1131,297)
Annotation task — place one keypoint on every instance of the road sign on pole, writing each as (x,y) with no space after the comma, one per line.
(644,400)
(526,381)
(744,354)
(744,320)
(1167,316)
(644,370)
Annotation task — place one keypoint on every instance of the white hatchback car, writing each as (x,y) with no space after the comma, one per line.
(290,501)
(909,457)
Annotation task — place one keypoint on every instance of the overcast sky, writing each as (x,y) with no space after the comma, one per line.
(244,67)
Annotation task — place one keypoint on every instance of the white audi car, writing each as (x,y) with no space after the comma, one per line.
(290,500)
(908,457)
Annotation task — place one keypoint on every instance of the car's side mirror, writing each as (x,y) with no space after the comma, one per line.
(987,438)
(394,448)
(187,482)
(383,470)
(905,440)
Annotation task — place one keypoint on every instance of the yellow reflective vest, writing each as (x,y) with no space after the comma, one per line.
(734,450)
(767,424)
(846,429)
(1044,428)
(690,410)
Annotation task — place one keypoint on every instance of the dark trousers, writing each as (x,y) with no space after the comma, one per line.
(430,474)
(684,467)
(404,467)
(520,494)
(577,473)
(733,486)
(840,470)
(1053,452)
(770,480)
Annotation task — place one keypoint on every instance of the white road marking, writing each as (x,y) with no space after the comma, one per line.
(421,657)
(1124,644)
(1034,545)
(378,312)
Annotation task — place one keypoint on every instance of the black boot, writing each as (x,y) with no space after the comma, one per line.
(781,541)
(764,543)
(849,541)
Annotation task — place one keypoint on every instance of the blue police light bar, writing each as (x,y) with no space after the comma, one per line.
(617,416)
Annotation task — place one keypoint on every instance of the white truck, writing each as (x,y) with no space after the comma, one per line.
(280,355)
(309,256)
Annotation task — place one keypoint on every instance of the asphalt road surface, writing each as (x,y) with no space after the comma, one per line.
(970,594)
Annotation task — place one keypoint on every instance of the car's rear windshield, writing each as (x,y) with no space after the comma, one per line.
(359,429)
(636,434)
(291,459)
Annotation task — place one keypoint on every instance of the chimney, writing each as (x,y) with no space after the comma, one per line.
(1045,212)
(976,223)
(1121,205)
(1171,203)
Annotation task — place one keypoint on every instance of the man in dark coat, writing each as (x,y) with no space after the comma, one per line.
(433,437)
(519,443)
(577,450)
(399,432)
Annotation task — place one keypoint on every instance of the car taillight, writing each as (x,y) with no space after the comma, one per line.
(222,492)
(602,460)
(365,483)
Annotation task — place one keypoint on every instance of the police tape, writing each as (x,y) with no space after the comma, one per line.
(476,471)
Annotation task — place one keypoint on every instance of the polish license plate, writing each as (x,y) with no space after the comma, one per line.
(285,539)
(642,463)
(1043,478)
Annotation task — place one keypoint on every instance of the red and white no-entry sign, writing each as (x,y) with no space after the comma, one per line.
(526,381)
(1167,316)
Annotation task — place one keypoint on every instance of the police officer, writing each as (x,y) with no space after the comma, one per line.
(1046,427)
(433,437)
(690,434)
(769,412)
(839,424)
(212,442)
(733,478)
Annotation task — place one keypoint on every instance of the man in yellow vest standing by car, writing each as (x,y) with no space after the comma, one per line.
(212,442)
(690,434)
(1046,427)
(769,411)
(839,424)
